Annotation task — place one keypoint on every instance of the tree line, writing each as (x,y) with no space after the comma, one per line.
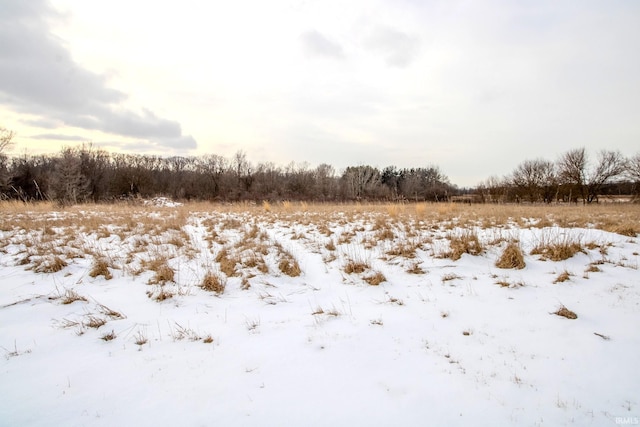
(574,177)
(88,174)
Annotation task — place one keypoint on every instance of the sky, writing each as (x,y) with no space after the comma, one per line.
(471,87)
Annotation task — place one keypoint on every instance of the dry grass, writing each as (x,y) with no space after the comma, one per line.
(465,241)
(49,264)
(355,267)
(405,249)
(180,332)
(288,264)
(290,267)
(94,322)
(113,314)
(563,277)
(511,257)
(163,272)
(160,294)
(375,278)
(415,268)
(566,313)
(449,277)
(558,247)
(140,338)
(213,282)
(70,296)
(227,262)
(100,267)
(109,336)
(505,284)
(593,268)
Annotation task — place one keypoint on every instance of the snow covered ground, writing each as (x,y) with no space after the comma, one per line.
(439,341)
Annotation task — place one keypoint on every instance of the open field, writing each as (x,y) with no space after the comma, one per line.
(295,314)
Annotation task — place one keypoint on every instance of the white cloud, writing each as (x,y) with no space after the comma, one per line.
(472,87)
(38,76)
(398,48)
(316,44)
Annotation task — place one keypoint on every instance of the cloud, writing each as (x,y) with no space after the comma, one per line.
(399,49)
(58,137)
(39,76)
(316,44)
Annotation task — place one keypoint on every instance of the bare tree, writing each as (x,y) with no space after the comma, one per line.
(611,165)
(360,181)
(574,171)
(6,140)
(70,186)
(633,173)
(535,179)
(633,168)
(325,181)
(213,167)
(243,171)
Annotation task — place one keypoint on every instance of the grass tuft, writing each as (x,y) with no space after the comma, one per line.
(355,267)
(109,336)
(557,249)
(511,257)
(213,283)
(566,313)
(100,267)
(464,242)
(375,278)
(71,296)
(563,277)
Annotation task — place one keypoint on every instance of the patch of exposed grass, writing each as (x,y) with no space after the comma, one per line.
(160,294)
(558,248)
(355,267)
(227,262)
(511,257)
(49,264)
(71,296)
(109,336)
(465,241)
(375,278)
(100,267)
(94,322)
(213,283)
(290,267)
(566,313)
(449,277)
(563,277)
(415,268)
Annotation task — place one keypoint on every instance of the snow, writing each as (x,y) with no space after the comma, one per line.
(445,347)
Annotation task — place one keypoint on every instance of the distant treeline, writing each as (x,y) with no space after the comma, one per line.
(85,173)
(574,177)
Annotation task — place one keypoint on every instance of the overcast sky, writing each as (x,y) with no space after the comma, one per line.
(473,87)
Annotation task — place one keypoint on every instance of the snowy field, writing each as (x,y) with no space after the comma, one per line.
(295,316)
